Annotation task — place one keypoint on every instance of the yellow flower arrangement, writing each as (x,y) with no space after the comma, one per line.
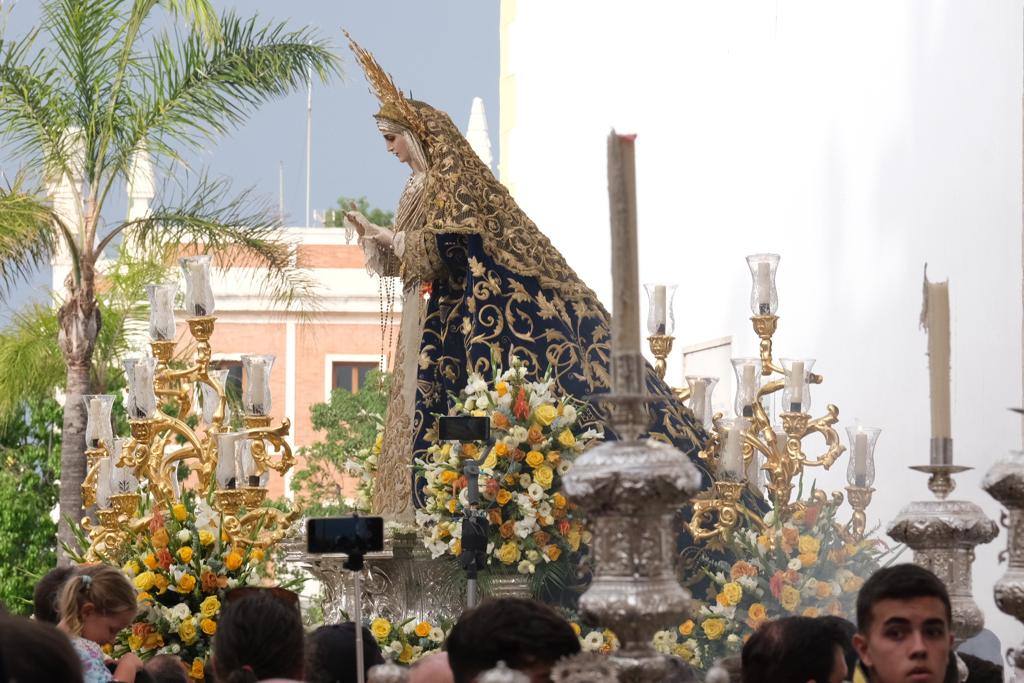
(733,593)
(380,628)
(713,628)
(208,626)
(209,607)
(185,554)
(187,631)
(186,583)
(534,459)
(233,560)
(509,552)
(205,537)
(179,512)
(545,414)
(144,581)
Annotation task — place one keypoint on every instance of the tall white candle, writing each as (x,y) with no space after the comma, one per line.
(732,460)
(95,418)
(625,321)
(660,317)
(103,484)
(935,318)
(698,399)
(860,458)
(749,384)
(764,284)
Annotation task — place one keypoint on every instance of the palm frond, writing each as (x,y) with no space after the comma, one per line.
(191,92)
(243,232)
(200,14)
(27,234)
(32,362)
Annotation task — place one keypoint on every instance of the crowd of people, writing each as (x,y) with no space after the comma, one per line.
(903,633)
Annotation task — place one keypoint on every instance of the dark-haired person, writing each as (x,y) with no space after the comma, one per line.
(259,638)
(331,654)
(166,669)
(527,635)
(903,626)
(46,593)
(36,652)
(794,650)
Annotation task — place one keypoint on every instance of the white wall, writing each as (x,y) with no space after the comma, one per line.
(859,140)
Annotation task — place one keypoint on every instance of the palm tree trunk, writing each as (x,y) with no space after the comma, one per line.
(79,326)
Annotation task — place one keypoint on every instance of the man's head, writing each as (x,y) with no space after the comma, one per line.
(903,625)
(44,597)
(166,669)
(794,650)
(432,669)
(525,634)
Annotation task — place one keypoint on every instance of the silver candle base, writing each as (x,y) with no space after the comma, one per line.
(629,491)
(1005,483)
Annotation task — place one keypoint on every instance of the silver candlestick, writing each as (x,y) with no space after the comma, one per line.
(943,534)
(1005,483)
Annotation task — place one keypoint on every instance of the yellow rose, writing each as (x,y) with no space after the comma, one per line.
(185,554)
(554,457)
(457,547)
(713,628)
(733,592)
(469,450)
(233,561)
(509,552)
(686,628)
(187,632)
(406,655)
(809,545)
(161,582)
(808,559)
(380,628)
(257,555)
(501,388)
(144,581)
(198,670)
(186,583)
(544,476)
(209,626)
(205,537)
(447,477)
(451,506)
(811,612)
(500,449)
(152,641)
(757,613)
(143,596)
(160,539)
(545,414)
(558,500)
(209,607)
(685,653)
(574,537)
(567,439)
(789,598)
(134,642)
(534,458)
(491,461)
(132,568)
(150,561)
(553,552)
(575,628)
(179,511)
(423,629)
(503,497)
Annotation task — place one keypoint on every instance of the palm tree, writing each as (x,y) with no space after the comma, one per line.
(78,108)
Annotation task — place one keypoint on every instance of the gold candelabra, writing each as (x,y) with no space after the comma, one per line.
(160,403)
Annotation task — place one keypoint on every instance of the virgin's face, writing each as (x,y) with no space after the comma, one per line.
(398,146)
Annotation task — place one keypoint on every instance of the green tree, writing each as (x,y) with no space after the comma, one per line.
(30,457)
(335,218)
(351,422)
(104,85)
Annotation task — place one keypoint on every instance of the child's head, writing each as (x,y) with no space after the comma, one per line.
(97,602)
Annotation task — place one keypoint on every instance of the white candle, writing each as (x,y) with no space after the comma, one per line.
(748,384)
(227,465)
(140,389)
(95,418)
(935,318)
(754,472)
(103,484)
(698,400)
(257,387)
(796,376)
(197,282)
(660,308)
(860,458)
(764,285)
(732,460)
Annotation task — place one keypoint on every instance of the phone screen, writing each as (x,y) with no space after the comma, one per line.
(345,535)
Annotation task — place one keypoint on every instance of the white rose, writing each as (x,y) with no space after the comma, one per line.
(795,564)
(525,567)
(436,635)
(396,647)
(525,480)
(518,434)
(593,641)
(569,413)
(535,491)
(470,404)
(409,628)
(184,536)
(181,611)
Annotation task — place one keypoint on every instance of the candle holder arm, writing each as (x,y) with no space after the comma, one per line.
(260,435)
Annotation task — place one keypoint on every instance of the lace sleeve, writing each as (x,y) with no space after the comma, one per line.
(420,258)
(380,259)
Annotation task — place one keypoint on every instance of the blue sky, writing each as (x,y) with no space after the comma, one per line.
(444,52)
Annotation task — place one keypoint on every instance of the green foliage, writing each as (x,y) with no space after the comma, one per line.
(335,218)
(30,457)
(351,422)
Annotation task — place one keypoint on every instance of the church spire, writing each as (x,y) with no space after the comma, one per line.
(477,134)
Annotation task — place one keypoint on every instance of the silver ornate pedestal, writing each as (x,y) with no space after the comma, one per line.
(943,535)
(629,491)
(398,583)
(1005,483)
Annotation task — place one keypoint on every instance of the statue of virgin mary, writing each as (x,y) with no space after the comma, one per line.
(498,288)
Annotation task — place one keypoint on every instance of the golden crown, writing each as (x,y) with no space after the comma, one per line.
(394,104)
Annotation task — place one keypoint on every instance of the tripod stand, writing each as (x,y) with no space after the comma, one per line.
(474,530)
